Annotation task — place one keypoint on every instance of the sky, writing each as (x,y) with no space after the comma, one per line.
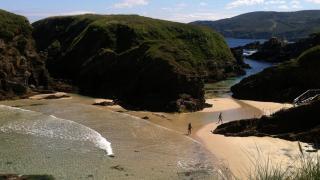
(174,10)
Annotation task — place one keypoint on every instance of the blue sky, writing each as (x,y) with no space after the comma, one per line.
(175,10)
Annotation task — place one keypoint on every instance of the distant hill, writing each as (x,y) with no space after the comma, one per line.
(264,25)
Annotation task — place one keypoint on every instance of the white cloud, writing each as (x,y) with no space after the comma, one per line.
(314,1)
(280,4)
(47,14)
(283,7)
(189,17)
(275,2)
(203,4)
(238,3)
(131,3)
(295,4)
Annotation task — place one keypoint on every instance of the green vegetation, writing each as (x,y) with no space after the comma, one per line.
(264,25)
(283,82)
(141,61)
(18,55)
(306,167)
(12,24)
(193,45)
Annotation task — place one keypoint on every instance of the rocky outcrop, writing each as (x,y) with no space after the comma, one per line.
(295,124)
(142,62)
(284,82)
(238,54)
(277,50)
(21,68)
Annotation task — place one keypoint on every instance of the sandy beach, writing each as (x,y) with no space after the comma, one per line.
(142,149)
(155,144)
(238,153)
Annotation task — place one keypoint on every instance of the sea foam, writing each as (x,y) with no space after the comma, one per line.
(37,124)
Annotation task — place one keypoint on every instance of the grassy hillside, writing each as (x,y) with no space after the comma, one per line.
(283,82)
(17,56)
(264,25)
(136,59)
(12,25)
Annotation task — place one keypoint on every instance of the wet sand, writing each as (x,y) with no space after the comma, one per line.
(143,150)
(152,145)
(238,153)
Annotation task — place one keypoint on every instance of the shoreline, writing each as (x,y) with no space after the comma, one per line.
(234,152)
(237,153)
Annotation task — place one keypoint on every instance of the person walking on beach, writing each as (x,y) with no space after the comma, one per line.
(220,119)
(189,128)
(27,75)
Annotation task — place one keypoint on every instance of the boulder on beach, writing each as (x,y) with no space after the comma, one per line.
(58,95)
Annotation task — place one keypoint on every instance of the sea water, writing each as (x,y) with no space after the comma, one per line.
(222,88)
(35,143)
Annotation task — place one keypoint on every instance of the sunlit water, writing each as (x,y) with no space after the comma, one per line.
(222,88)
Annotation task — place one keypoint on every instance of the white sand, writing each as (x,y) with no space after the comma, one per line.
(221,104)
(240,153)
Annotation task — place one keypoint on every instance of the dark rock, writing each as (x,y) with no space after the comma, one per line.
(144,69)
(105,103)
(271,51)
(282,83)
(145,117)
(277,50)
(238,54)
(294,124)
(18,56)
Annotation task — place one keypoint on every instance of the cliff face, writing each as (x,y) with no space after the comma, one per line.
(283,83)
(143,62)
(20,65)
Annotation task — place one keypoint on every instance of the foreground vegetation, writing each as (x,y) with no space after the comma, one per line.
(307,167)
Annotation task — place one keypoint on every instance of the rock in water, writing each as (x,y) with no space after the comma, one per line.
(20,65)
(145,63)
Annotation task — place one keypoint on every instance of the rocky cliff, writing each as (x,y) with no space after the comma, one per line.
(276,50)
(142,62)
(284,82)
(21,68)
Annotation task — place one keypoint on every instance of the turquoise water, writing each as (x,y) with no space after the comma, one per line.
(222,88)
